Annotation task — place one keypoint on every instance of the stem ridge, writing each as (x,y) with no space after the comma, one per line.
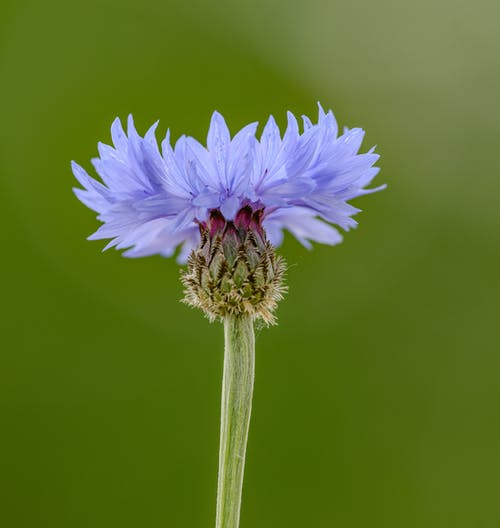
(236,407)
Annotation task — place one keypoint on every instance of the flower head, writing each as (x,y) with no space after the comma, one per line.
(227,204)
(152,201)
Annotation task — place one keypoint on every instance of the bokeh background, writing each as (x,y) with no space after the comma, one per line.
(377,397)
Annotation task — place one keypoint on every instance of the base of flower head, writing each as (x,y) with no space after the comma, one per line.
(235,269)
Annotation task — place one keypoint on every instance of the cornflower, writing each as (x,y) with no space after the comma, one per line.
(223,210)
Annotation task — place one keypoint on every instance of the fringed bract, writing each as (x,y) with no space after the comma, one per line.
(235,269)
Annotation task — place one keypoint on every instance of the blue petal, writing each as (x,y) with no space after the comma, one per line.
(118,135)
(218,140)
(230,206)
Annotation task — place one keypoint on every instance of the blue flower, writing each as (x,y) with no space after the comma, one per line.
(151,202)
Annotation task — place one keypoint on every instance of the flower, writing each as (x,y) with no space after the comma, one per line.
(151,202)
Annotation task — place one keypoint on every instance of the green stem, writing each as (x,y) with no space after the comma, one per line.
(237,389)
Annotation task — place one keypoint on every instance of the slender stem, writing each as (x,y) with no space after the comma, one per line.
(237,389)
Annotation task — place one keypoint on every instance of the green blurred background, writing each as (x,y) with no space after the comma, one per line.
(377,397)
